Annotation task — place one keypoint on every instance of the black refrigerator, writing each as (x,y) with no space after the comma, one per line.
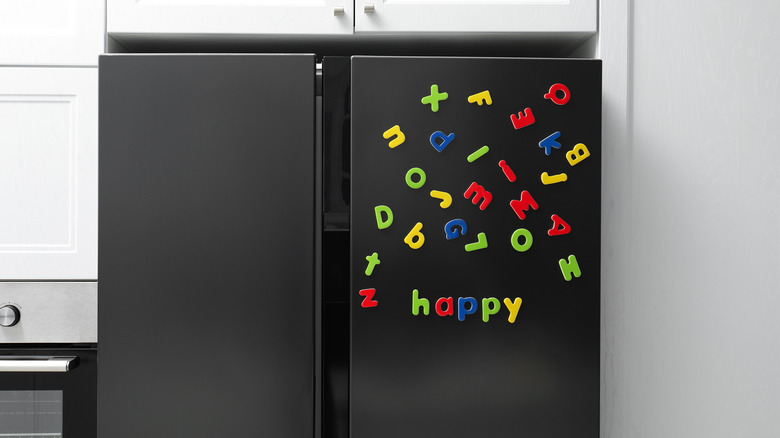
(367,247)
(475,230)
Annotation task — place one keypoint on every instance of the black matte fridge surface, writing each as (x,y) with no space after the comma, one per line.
(475,233)
(207,246)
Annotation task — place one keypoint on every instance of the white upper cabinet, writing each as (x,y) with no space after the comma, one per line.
(232,17)
(451,16)
(48,173)
(312,17)
(51,32)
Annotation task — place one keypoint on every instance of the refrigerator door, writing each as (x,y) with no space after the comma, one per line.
(475,247)
(207,246)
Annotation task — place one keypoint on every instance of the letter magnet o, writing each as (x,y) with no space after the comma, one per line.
(420,180)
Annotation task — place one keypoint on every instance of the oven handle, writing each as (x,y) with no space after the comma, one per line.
(37,364)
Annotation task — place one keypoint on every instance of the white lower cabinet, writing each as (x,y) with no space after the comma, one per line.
(48,173)
(51,32)
(242,17)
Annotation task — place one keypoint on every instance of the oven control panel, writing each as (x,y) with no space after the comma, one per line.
(48,313)
(9,315)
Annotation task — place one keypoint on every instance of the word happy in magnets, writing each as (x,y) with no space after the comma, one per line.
(464,306)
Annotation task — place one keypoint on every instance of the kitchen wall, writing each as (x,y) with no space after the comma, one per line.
(691,219)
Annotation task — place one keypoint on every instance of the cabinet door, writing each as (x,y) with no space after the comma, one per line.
(48,173)
(207,246)
(51,32)
(246,17)
(574,16)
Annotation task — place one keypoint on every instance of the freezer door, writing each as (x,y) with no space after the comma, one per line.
(207,243)
(475,220)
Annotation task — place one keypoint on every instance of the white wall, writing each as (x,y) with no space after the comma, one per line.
(691,253)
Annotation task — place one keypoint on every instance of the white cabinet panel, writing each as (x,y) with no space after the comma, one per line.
(475,16)
(234,17)
(51,32)
(48,173)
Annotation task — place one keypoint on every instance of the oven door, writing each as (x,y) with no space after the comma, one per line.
(48,393)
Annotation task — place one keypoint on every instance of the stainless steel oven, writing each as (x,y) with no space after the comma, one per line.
(48,360)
